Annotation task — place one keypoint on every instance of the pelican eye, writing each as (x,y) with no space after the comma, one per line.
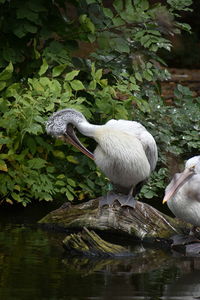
(192,168)
(61,137)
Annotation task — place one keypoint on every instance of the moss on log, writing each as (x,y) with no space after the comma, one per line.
(88,243)
(142,223)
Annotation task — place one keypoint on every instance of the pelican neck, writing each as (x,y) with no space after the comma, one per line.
(87,129)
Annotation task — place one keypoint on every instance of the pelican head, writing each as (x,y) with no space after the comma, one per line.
(193,163)
(192,166)
(61,125)
(57,124)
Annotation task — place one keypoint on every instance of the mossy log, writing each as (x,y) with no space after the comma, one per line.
(143,223)
(88,243)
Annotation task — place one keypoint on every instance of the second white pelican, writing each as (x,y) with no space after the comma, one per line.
(183,193)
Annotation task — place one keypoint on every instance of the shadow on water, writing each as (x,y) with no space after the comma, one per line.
(33,265)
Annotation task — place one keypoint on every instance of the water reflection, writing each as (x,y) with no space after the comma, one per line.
(187,284)
(33,266)
(144,261)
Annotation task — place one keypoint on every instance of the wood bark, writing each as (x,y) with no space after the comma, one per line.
(144,223)
(88,243)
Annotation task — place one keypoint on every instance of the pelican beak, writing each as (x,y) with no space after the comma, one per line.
(180,181)
(71,138)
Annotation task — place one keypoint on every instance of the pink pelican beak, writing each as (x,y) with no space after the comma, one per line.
(188,172)
(71,138)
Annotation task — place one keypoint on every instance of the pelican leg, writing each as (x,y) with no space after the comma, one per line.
(108,199)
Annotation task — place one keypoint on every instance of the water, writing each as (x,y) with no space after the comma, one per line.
(33,266)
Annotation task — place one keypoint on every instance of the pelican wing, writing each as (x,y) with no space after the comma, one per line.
(138,130)
(193,188)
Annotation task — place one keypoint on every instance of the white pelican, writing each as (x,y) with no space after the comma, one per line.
(126,151)
(183,193)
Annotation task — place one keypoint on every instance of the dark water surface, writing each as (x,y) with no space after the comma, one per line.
(33,266)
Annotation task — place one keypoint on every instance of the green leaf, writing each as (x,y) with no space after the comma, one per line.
(71,182)
(87,23)
(58,154)
(69,195)
(23,28)
(60,183)
(17,188)
(91,37)
(36,52)
(83,18)
(7,199)
(31,144)
(184,90)
(108,12)
(72,159)
(92,85)
(147,76)
(43,68)
(77,85)
(30,28)
(118,5)
(104,82)
(2,85)
(5,140)
(120,45)
(90,26)
(71,75)
(104,40)
(37,163)
(34,129)
(12,90)
(140,33)
(98,74)
(47,197)
(39,119)
(16,197)
(58,70)
(61,176)
(144,4)
(184,26)
(118,21)
(3,166)
(180,4)
(25,13)
(7,72)
(138,76)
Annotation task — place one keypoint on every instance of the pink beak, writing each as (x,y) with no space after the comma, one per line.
(181,180)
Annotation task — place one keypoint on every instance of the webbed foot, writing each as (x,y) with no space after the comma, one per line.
(128,200)
(124,200)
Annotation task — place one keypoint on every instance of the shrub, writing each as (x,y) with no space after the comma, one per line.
(101,60)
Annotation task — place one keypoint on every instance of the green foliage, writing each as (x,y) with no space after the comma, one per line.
(45,66)
(176,129)
(180,4)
